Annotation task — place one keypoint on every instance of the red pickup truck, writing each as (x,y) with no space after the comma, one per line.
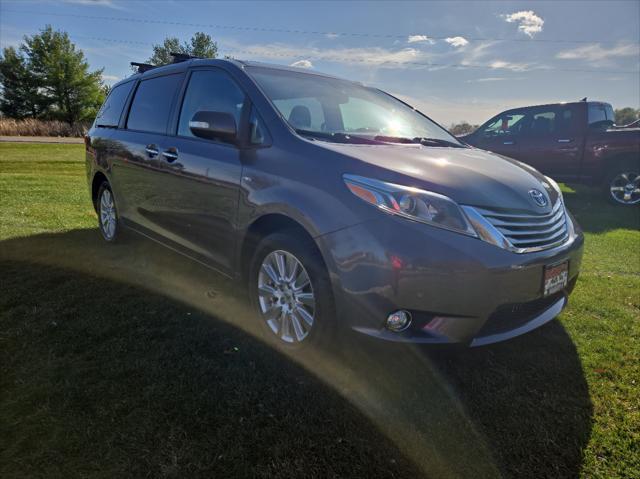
(570,142)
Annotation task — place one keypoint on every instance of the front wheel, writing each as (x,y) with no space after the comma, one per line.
(291,292)
(623,184)
(107,213)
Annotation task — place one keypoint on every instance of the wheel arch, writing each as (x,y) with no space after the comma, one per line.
(615,161)
(98,179)
(264,226)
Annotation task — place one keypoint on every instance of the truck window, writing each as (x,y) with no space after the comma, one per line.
(601,114)
(549,122)
(152,104)
(109,114)
(508,124)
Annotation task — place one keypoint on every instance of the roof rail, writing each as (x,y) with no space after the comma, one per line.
(181,57)
(143,67)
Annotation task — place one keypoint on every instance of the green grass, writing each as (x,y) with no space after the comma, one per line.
(127,360)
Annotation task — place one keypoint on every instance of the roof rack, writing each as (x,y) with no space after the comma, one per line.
(181,57)
(143,67)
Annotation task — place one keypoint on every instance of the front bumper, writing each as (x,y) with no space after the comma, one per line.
(458,289)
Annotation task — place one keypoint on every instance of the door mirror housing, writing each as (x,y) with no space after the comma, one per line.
(214,125)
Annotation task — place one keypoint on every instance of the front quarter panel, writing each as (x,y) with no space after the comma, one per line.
(300,181)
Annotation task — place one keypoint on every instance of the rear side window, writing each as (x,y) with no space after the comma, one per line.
(109,114)
(210,90)
(600,113)
(151,105)
(550,122)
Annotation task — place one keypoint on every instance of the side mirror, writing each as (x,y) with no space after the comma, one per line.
(213,124)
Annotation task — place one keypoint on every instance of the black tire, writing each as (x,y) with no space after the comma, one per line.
(104,231)
(629,167)
(304,250)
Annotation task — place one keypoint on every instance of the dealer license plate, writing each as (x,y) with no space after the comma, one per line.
(555,277)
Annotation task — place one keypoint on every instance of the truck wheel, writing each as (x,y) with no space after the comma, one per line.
(291,292)
(622,184)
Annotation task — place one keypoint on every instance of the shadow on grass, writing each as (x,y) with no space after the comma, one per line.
(597,215)
(129,360)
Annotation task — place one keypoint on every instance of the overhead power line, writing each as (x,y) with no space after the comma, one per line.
(296,31)
(337,58)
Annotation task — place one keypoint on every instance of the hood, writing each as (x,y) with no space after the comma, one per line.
(467,175)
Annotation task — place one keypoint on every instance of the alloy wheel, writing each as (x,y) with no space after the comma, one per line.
(625,188)
(285,296)
(107,215)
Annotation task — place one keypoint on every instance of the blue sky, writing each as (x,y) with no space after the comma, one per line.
(455,61)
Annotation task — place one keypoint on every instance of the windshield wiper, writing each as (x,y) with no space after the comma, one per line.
(419,140)
(338,137)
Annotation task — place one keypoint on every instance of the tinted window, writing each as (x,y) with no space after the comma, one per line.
(257,135)
(152,104)
(109,114)
(210,90)
(550,122)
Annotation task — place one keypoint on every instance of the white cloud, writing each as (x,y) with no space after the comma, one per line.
(488,79)
(420,39)
(457,41)
(97,3)
(528,22)
(302,64)
(110,78)
(477,52)
(516,67)
(596,52)
(373,56)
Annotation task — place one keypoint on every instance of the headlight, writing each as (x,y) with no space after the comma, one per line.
(411,203)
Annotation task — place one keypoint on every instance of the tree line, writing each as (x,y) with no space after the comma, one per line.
(48,78)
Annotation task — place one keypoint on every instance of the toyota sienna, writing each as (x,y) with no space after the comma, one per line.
(336,204)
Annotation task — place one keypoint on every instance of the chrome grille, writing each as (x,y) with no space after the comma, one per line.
(527,232)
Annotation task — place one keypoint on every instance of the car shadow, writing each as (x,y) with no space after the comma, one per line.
(597,215)
(128,359)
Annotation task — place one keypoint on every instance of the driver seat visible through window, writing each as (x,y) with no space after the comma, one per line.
(300,117)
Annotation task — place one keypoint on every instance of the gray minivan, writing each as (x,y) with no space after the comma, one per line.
(336,204)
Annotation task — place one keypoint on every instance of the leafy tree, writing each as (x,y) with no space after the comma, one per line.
(200,45)
(627,115)
(49,78)
(462,128)
(20,96)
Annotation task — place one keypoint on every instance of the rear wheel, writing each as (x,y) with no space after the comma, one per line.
(290,291)
(107,213)
(623,184)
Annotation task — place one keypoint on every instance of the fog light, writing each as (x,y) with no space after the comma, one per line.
(398,321)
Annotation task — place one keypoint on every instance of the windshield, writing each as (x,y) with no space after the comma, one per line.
(332,109)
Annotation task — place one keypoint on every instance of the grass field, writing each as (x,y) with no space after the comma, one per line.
(128,361)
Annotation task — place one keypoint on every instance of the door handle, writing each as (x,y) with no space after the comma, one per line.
(170,155)
(565,140)
(152,151)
